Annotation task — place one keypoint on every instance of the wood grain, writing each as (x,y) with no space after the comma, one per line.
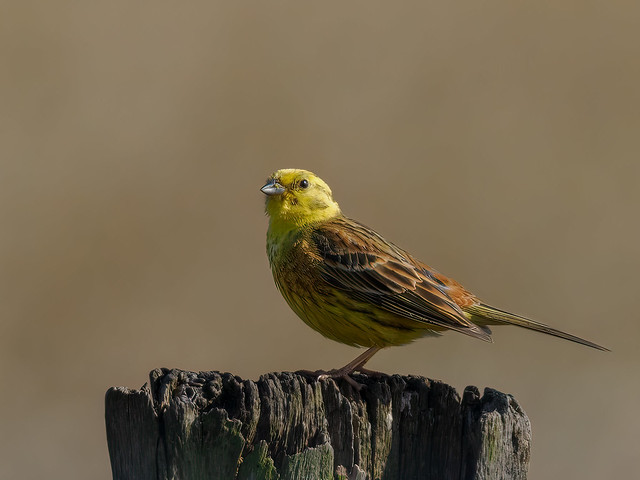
(210,425)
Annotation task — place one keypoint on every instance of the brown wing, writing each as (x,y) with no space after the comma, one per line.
(367,268)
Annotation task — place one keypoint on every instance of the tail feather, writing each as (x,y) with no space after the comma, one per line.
(483,314)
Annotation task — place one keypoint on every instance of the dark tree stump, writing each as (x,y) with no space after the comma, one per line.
(209,425)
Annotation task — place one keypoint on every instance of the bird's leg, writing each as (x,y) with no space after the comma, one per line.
(353,366)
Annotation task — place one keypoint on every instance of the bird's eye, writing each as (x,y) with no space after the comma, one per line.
(304,183)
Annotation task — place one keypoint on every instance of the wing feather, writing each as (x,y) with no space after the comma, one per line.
(367,268)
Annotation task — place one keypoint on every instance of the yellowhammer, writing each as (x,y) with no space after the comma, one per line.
(351,285)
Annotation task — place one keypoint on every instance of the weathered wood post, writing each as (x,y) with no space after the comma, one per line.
(209,425)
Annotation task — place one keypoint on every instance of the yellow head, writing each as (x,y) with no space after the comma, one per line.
(296,198)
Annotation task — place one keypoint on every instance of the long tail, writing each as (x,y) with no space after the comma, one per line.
(487,315)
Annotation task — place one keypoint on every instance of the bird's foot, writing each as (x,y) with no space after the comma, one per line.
(345,372)
(334,374)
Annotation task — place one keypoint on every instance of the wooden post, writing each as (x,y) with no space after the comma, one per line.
(210,425)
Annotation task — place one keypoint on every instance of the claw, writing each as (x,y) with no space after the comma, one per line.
(357,386)
(346,371)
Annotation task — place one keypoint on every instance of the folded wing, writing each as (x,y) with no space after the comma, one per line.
(368,269)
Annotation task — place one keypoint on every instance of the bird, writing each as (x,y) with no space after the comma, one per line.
(351,285)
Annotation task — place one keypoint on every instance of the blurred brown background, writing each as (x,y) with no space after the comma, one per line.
(498,141)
